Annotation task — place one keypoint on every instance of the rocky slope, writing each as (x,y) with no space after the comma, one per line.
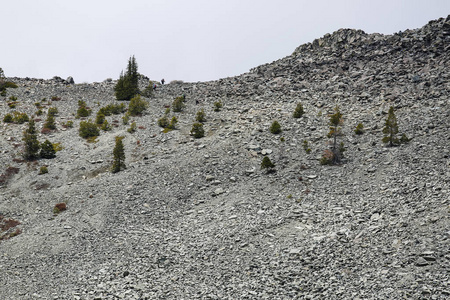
(198,219)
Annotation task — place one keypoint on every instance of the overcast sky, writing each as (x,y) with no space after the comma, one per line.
(189,40)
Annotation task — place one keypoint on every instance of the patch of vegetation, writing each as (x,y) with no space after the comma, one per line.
(32,145)
(100,119)
(336,153)
(53,111)
(137,106)
(390,130)
(218,105)
(359,129)
(197,130)
(50,122)
(119,156)
(59,207)
(47,150)
(201,116)
(105,126)
(8,118)
(57,147)
(88,129)
(43,170)
(298,112)
(132,128)
(126,119)
(127,85)
(267,164)
(68,124)
(275,128)
(8,228)
(306,147)
(178,104)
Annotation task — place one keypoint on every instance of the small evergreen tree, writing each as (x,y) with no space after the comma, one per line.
(390,129)
(201,116)
(217,105)
(267,164)
(31,142)
(298,113)
(50,122)
(359,129)
(275,128)
(178,104)
(119,155)
(335,122)
(197,130)
(47,150)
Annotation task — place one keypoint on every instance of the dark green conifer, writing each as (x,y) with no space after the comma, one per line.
(119,155)
(390,129)
(31,142)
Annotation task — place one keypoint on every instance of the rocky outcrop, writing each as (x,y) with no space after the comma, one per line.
(197,218)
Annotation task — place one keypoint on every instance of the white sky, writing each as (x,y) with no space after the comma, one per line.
(190,40)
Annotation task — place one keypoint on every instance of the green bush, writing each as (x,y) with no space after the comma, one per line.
(12,105)
(100,119)
(47,150)
(217,105)
(306,147)
(163,122)
(50,122)
(359,129)
(404,139)
(137,106)
(88,129)
(132,128)
(68,124)
(13,98)
(267,164)
(201,116)
(52,111)
(298,113)
(83,112)
(105,126)
(8,118)
(275,128)
(148,91)
(197,130)
(126,118)
(43,170)
(178,104)
(173,123)
(39,112)
(20,118)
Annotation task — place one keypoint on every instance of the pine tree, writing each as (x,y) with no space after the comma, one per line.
(31,142)
(335,122)
(127,85)
(47,150)
(390,129)
(298,113)
(119,155)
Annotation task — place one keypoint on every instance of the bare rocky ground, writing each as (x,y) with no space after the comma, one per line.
(198,219)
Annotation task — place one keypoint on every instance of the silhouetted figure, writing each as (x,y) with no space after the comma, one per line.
(162,81)
(154,86)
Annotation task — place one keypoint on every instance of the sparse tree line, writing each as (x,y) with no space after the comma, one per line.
(127,89)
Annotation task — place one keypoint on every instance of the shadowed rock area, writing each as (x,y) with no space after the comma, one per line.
(198,219)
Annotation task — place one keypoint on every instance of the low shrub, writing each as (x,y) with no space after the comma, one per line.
(47,150)
(100,119)
(267,165)
(132,128)
(68,124)
(218,105)
(137,106)
(173,123)
(53,111)
(88,129)
(8,118)
(197,130)
(359,129)
(43,170)
(275,128)
(50,122)
(298,112)
(306,147)
(105,126)
(163,122)
(59,208)
(201,116)
(178,104)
